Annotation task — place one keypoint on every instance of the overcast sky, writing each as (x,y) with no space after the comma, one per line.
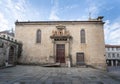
(32,10)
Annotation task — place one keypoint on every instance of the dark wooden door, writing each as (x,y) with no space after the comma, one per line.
(80,58)
(60,53)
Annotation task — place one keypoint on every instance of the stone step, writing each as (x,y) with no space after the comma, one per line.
(81,66)
(63,65)
(52,65)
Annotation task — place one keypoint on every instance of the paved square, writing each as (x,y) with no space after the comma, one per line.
(50,75)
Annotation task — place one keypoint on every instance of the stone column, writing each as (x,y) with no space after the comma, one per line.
(16,57)
(70,61)
(52,58)
(53,51)
(7,53)
(68,54)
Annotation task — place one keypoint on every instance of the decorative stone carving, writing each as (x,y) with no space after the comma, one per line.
(60,33)
(60,27)
(67,33)
(53,33)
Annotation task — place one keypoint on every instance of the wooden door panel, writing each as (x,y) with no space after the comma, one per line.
(80,58)
(60,53)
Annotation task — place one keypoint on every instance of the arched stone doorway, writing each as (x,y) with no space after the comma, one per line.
(11,55)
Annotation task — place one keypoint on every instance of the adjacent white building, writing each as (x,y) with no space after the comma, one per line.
(113,55)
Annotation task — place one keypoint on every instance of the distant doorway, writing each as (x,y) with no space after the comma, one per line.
(11,55)
(60,53)
(80,58)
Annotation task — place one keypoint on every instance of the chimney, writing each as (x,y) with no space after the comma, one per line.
(100,18)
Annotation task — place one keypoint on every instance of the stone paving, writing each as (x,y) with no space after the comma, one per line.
(50,75)
(113,68)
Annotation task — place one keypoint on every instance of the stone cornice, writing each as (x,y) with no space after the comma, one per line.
(53,37)
(56,22)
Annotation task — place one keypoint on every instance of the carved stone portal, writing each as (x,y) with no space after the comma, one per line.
(61,36)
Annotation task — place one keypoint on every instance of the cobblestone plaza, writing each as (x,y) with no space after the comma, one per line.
(58,75)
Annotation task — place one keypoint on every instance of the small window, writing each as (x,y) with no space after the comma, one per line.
(109,55)
(38,36)
(82,35)
(113,55)
(112,48)
(117,49)
(117,54)
(8,38)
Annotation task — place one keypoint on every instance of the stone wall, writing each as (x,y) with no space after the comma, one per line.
(6,54)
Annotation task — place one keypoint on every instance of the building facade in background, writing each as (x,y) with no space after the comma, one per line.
(10,50)
(64,42)
(8,32)
(113,55)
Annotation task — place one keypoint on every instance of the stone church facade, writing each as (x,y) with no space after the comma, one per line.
(74,42)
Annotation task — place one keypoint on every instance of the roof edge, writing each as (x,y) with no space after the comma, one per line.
(112,46)
(55,22)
